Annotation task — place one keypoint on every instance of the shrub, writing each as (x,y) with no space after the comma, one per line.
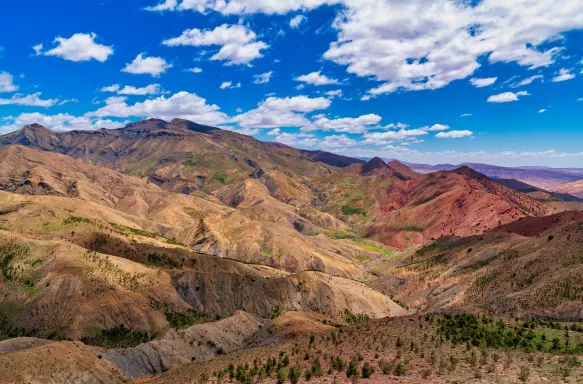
(367,370)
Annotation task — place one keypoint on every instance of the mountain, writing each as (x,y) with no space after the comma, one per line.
(574,188)
(166,251)
(538,193)
(526,268)
(539,177)
(178,155)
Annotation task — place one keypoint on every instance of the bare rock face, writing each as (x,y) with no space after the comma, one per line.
(202,341)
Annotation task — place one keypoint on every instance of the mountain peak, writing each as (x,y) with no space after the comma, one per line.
(375,165)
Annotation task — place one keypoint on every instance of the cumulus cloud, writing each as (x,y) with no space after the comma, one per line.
(297,21)
(229,84)
(262,78)
(542,110)
(410,45)
(180,105)
(33,100)
(58,122)
(7,82)
(337,141)
(238,43)
(480,83)
(466,115)
(293,139)
(79,47)
(316,78)
(141,65)
(347,124)
(507,97)
(439,127)
(152,89)
(564,74)
(241,7)
(194,70)
(454,134)
(282,112)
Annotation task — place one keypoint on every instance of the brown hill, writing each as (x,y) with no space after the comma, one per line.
(262,229)
(179,155)
(498,273)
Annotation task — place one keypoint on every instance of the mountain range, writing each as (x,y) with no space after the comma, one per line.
(163,248)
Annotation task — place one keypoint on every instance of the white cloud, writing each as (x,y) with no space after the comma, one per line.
(527,81)
(337,141)
(564,74)
(153,66)
(194,70)
(580,99)
(152,89)
(167,5)
(542,110)
(79,47)
(262,78)
(506,97)
(316,78)
(38,49)
(7,82)
(454,134)
(397,125)
(421,44)
(335,93)
(180,105)
(293,139)
(380,138)
(480,83)
(297,21)
(416,45)
(238,43)
(229,84)
(466,115)
(365,98)
(33,100)
(241,7)
(59,122)
(439,127)
(281,112)
(63,102)
(347,124)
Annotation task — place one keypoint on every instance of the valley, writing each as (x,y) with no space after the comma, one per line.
(172,252)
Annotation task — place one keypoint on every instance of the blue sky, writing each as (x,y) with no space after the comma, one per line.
(429,81)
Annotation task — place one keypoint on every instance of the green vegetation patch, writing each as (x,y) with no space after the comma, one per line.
(376,248)
(346,210)
(352,318)
(184,320)
(117,337)
(162,260)
(478,331)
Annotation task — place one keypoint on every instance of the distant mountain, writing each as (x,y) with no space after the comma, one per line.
(536,176)
(538,193)
(574,188)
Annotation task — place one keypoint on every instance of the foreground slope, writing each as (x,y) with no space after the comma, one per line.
(531,267)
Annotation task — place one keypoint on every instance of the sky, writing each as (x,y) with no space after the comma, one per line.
(425,81)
